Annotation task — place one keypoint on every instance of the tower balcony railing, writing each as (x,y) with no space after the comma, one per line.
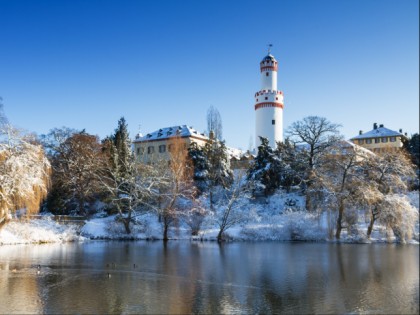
(276,92)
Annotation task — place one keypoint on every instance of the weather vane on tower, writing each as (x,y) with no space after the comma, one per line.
(269,48)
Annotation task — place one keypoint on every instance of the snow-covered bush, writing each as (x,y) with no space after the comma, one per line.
(398,215)
(24,173)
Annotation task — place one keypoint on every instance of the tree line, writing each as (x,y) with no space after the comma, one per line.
(72,172)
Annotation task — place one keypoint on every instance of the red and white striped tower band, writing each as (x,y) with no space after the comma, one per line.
(269,104)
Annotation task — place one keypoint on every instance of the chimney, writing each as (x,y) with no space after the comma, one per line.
(400,130)
(375,126)
(381,125)
(360,132)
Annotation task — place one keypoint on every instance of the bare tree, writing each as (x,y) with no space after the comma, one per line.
(317,133)
(340,180)
(230,211)
(172,184)
(388,173)
(127,193)
(214,123)
(76,165)
(3,118)
(399,216)
(194,216)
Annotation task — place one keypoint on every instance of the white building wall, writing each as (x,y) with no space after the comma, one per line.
(264,126)
(269,82)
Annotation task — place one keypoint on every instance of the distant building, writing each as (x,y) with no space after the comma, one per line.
(380,139)
(156,145)
(241,160)
(343,148)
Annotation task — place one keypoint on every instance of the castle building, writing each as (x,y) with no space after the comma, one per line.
(157,145)
(269,104)
(380,139)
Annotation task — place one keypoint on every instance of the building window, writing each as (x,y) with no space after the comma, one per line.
(384,139)
(170,147)
(162,148)
(273,122)
(138,151)
(266,98)
(266,74)
(361,141)
(257,99)
(377,140)
(368,141)
(150,150)
(277,98)
(392,139)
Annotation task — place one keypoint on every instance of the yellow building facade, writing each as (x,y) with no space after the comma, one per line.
(156,146)
(380,139)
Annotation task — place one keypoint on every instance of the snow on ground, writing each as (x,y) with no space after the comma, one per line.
(280,217)
(38,231)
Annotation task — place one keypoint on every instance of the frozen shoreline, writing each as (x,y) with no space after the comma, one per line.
(271,220)
(107,229)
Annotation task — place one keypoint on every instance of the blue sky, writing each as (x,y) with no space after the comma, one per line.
(84,64)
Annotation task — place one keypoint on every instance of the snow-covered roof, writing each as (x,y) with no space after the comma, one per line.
(234,153)
(344,144)
(168,132)
(378,132)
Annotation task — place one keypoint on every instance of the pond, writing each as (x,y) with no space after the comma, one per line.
(205,277)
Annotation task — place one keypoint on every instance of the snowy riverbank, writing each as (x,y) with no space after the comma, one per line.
(279,218)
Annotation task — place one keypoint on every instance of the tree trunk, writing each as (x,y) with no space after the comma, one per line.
(211,199)
(3,222)
(81,207)
(126,222)
(219,236)
(308,202)
(165,229)
(165,233)
(339,219)
(370,227)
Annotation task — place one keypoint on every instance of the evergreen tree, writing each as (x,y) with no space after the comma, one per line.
(201,166)
(413,148)
(122,149)
(219,164)
(211,166)
(292,164)
(266,169)
(121,175)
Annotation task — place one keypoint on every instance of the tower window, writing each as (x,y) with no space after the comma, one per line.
(266,98)
(266,74)
(277,98)
(273,122)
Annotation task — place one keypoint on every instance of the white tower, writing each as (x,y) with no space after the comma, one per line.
(269,104)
